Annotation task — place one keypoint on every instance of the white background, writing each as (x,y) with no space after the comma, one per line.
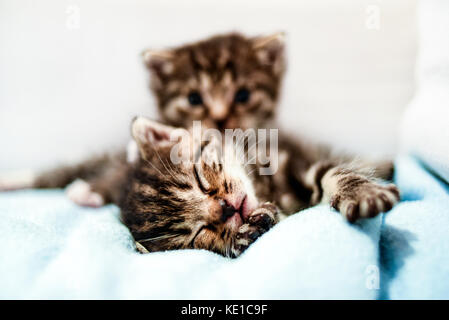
(66,92)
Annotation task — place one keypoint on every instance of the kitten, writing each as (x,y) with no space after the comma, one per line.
(227,81)
(208,203)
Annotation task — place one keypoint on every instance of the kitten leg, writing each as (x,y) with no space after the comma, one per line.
(353,193)
(382,169)
(259,222)
(82,194)
(104,187)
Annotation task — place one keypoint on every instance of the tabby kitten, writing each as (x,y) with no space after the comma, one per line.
(208,203)
(227,81)
(233,81)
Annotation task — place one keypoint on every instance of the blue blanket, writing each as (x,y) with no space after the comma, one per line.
(50,248)
(414,246)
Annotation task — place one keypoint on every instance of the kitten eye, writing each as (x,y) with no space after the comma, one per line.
(192,243)
(204,184)
(195,98)
(203,228)
(212,193)
(242,96)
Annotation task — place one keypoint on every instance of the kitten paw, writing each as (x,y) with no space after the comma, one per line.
(366,200)
(264,216)
(81,193)
(259,222)
(246,235)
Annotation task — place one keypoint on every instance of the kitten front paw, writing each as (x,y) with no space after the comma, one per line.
(245,236)
(259,222)
(366,200)
(265,216)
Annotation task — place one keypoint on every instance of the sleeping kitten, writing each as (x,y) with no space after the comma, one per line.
(208,203)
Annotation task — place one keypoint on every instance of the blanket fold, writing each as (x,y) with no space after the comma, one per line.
(415,238)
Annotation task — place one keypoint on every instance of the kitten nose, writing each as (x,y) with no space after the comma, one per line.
(218,110)
(227,210)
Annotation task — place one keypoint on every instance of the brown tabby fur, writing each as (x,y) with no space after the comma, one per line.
(216,68)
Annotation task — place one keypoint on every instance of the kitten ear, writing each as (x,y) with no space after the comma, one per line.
(160,62)
(270,50)
(150,135)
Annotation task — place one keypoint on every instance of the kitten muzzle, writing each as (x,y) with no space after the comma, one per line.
(233,211)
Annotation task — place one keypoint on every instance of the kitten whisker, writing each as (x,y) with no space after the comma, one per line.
(155,167)
(170,169)
(163,163)
(249,161)
(255,145)
(249,174)
(167,236)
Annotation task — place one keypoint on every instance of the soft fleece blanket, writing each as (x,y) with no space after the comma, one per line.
(50,248)
(414,244)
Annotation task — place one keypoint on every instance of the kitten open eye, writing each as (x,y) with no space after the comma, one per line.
(195,98)
(242,95)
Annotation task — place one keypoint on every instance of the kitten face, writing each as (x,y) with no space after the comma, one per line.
(228,81)
(188,205)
